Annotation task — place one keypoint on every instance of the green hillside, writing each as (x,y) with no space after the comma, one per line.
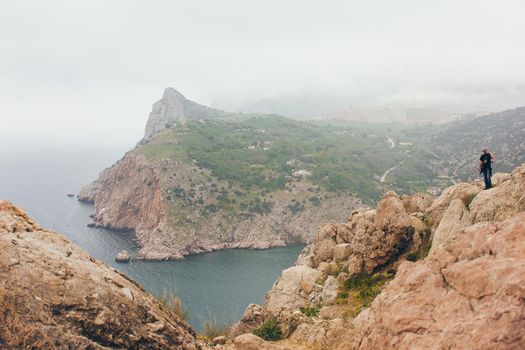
(261,153)
(461,143)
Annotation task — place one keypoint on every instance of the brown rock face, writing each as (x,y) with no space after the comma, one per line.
(252,342)
(455,218)
(417,203)
(55,296)
(440,205)
(370,239)
(132,199)
(468,295)
(293,287)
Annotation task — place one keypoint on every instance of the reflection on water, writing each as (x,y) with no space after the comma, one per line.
(221,283)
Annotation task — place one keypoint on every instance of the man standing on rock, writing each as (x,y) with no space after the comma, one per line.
(485,167)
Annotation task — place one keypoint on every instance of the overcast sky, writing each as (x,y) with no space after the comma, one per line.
(88,71)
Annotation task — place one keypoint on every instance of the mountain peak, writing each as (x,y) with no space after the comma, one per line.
(170,92)
(174,108)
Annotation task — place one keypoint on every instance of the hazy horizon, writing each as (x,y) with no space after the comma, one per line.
(88,72)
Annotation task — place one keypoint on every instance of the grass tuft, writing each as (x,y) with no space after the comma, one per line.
(173,303)
(310,310)
(360,290)
(212,328)
(269,330)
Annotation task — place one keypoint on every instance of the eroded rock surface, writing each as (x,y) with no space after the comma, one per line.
(369,240)
(455,218)
(293,287)
(53,295)
(440,205)
(468,295)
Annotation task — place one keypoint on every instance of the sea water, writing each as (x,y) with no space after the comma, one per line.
(215,285)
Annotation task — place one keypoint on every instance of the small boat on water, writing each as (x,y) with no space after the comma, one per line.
(71,195)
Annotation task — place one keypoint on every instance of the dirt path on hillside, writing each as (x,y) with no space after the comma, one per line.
(382,179)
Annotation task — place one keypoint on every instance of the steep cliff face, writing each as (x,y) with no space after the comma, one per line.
(416,272)
(174,108)
(55,296)
(127,196)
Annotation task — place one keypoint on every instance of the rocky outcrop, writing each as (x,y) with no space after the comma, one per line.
(292,289)
(458,260)
(503,201)
(174,108)
(468,295)
(127,196)
(171,206)
(123,257)
(55,296)
(249,341)
(368,241)
(417,203)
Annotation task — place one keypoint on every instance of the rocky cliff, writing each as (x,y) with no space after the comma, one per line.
(416,272)
(172,207)
(174,108)
(55,296)
(193,185)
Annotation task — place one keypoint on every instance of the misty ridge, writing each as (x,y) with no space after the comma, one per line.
(403,106)
(79,71)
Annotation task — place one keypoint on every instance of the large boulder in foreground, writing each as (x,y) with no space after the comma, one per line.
(292,289)
(467,295)
(53,295)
